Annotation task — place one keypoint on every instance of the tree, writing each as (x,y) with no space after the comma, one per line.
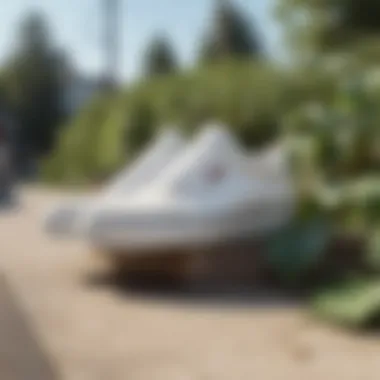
(160,58)
(230,36)
(35,83)
(330,25)
(140,126)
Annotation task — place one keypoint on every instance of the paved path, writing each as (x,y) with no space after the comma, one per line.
(95,331)
(21,356)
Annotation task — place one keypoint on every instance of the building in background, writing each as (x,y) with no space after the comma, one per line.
(79,91)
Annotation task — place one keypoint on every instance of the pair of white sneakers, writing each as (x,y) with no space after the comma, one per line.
(180,194)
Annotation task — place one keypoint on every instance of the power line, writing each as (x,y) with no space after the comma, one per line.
(111,12)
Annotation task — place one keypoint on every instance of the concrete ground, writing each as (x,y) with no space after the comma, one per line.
(96,329)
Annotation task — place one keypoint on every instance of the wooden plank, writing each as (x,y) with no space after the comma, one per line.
(21,357)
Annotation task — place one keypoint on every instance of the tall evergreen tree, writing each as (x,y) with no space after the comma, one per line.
(160,58)
(325,26)
(140,126)
(230,36)
(36,84)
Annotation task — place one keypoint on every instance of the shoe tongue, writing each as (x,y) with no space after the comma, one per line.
(215,141)
(155,157)
(215,150)
(169,137)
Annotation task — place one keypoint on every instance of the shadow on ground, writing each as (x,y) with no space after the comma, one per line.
(207,293)
(21,354)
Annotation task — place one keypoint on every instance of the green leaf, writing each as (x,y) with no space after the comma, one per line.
(373,249)
(296,249)
(352,303)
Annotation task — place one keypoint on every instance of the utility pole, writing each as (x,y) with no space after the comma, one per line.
(111,14)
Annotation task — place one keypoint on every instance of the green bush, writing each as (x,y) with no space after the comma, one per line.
(333,128)
(110,131)
(81,146)
(353,303)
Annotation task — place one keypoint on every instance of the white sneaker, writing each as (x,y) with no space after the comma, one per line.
(70,218)
(207,196)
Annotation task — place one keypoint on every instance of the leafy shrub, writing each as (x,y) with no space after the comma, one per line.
(111,130)
(353,303)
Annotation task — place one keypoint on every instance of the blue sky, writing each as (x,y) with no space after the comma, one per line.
(77,27)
